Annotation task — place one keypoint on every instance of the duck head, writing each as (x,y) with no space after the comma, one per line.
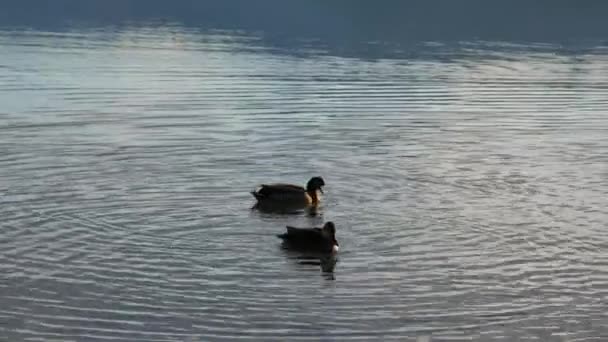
(314,184)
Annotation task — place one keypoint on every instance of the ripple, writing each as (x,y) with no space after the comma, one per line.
(467,187)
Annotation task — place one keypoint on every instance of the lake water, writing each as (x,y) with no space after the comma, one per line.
(466,179)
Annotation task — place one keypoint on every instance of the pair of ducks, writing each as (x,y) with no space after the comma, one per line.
(294,196)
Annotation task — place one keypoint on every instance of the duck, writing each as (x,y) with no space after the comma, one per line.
(312,239)
(289,195)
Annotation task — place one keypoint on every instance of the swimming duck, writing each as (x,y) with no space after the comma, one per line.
(312,239)
(290,195)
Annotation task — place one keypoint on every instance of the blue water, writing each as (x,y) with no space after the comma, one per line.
(464,146)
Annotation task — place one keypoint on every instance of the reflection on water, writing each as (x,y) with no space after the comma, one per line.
(271,208)
(325,262)
(467,182)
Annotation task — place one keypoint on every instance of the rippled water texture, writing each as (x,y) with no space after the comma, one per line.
(467,182)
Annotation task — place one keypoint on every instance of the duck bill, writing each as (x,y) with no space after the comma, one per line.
(321,190)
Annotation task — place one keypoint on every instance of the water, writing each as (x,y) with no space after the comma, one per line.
(466,178)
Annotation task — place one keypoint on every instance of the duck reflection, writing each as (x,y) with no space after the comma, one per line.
(286,209)
(325,262)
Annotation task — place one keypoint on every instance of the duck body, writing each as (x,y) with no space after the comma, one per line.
(289,195)
(312,239)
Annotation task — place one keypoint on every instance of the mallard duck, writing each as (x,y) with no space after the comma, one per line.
(290,195)
(312,239)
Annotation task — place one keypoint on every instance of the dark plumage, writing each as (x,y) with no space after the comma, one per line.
(312,239)
(289,195)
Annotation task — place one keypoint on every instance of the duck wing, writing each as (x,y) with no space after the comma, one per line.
(279,191)
(282,187)
(304,232)
(306,238)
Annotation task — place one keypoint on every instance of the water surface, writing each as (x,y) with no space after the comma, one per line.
(467,180)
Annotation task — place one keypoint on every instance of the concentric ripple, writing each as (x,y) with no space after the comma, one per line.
(468,186)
